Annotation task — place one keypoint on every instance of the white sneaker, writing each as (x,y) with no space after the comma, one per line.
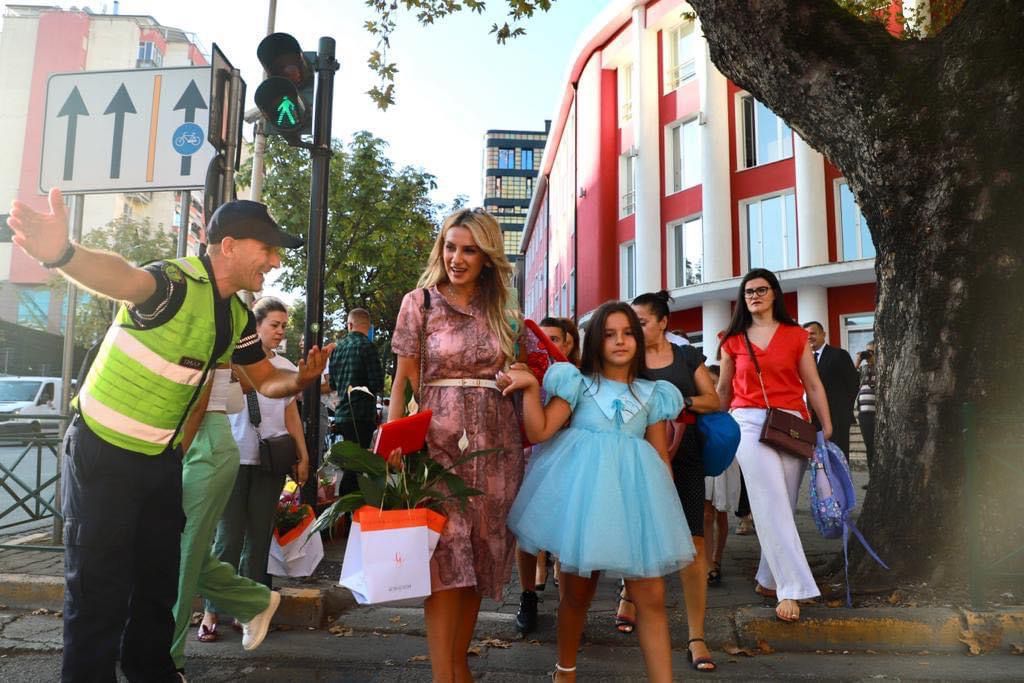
(255,630)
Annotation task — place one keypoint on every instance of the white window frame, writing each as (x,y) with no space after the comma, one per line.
(844,329)
(679,72)
(837,188)
(677,180)
(671,244)
(572,293)
(627,270)
(625,93)
(627,184)
(741,138)
(745,228)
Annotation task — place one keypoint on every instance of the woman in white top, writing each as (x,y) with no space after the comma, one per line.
(247,525)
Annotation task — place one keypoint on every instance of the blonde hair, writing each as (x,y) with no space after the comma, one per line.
(495,281)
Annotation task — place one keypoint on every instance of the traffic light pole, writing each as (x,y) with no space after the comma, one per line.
(316,246)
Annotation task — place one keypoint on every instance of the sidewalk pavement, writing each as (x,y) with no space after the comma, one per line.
(737,618)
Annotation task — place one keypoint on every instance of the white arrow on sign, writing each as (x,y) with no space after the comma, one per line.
(134,130)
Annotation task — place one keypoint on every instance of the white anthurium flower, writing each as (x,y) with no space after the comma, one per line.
(362,389)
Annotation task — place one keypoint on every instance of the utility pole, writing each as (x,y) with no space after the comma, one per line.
(259,137)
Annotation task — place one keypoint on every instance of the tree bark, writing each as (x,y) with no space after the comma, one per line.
(930,135)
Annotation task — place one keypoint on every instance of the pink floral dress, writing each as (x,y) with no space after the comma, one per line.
(476,548)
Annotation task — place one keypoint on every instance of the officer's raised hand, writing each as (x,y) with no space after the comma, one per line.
(313,367)
(43,236)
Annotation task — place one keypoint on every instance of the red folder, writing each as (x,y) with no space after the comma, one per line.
(407,433)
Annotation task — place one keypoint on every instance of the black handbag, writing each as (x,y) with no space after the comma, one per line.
(781,430)
(278,454)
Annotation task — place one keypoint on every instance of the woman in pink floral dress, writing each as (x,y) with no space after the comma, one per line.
(471,328)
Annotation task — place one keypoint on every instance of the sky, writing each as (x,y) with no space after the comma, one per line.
(454,81)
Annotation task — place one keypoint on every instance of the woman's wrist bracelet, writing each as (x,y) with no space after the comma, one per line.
(63,259)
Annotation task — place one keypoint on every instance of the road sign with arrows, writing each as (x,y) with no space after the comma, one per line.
(115,131)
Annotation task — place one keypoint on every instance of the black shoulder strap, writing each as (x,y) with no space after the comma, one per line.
(426,298)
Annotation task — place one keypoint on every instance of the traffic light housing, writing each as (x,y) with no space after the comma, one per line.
(285,98)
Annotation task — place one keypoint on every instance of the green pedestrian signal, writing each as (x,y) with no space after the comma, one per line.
(286,110)
(285,98)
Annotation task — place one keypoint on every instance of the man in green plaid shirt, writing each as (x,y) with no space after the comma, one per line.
(356,374)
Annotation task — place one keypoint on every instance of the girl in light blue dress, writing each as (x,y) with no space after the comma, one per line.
(599,496)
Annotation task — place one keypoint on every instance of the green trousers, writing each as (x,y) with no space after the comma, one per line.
(207,477)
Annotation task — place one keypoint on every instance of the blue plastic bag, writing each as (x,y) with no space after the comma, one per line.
(719,437)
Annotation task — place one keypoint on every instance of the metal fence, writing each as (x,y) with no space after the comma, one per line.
(30,475)
(993,471)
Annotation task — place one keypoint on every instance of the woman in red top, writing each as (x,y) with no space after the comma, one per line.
(773,478)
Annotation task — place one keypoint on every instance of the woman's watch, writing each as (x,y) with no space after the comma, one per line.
(687,402)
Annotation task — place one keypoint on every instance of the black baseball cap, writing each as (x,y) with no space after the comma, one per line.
(245,219)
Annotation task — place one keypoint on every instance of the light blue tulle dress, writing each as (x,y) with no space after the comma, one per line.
(597,495)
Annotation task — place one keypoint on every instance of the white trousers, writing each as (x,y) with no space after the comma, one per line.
(773,486)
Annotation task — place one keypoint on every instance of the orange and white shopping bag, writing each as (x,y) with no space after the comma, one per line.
(296,552)
(388,553)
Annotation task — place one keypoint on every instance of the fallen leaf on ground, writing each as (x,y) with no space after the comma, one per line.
(495,642)
(419,658)
(340,631)
(834,603)
(734,649)
(395,620)
(474,651)
(1017,648)
(195,619)
(895,598)
(40,611)
(764,647)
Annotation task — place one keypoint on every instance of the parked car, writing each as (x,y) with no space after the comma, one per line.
(33,398)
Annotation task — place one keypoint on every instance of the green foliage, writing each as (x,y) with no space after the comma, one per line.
(913,25)
(381,227)
(422,483)
(138,241)
(427,12)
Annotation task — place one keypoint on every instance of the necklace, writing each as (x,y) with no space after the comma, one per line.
(454,296)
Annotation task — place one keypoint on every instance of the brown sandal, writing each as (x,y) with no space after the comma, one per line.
(764,592)
(207,634)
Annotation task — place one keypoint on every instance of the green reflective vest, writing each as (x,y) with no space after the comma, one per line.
(143,381)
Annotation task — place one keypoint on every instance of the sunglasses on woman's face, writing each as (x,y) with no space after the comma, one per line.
(756,292)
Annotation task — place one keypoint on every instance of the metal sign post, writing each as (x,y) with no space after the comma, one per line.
(316,245)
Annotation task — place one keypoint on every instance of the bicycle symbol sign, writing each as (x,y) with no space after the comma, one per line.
(188,139)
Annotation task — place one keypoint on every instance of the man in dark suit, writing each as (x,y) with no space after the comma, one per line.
(839,376)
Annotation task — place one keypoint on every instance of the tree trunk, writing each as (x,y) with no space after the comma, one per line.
(929,135)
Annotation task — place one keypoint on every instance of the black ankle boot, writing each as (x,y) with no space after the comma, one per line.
(526,617)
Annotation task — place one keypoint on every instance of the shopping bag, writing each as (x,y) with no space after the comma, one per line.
(296,553)
(388,553)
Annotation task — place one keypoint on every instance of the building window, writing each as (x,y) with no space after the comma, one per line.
(857,330)
(766,137)
(572,293)
(149,56)
(34,307)
(506,158)
(527,159)
(856,238)
(529,187)
(627,183)
(627,271)
(625,93)
(686,242)
(683,156)
(771,232)
(681,48)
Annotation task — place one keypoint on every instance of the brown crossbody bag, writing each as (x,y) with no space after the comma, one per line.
(781,430)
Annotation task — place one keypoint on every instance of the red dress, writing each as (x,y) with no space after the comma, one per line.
(780,370)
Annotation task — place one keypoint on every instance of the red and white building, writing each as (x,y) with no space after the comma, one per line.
(660,173)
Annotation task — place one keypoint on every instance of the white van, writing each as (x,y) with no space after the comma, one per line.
(32,397)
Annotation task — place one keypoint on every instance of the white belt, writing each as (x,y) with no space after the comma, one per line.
(466,382)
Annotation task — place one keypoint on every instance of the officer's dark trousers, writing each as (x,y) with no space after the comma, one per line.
(122,536)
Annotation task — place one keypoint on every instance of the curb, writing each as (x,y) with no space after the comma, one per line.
(883,630)
(301,607)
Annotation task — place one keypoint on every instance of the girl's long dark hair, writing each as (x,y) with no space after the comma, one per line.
(591,363)
(741,318)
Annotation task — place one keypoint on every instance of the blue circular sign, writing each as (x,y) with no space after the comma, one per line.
(188,139)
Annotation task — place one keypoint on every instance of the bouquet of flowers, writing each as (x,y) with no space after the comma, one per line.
(290,512)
